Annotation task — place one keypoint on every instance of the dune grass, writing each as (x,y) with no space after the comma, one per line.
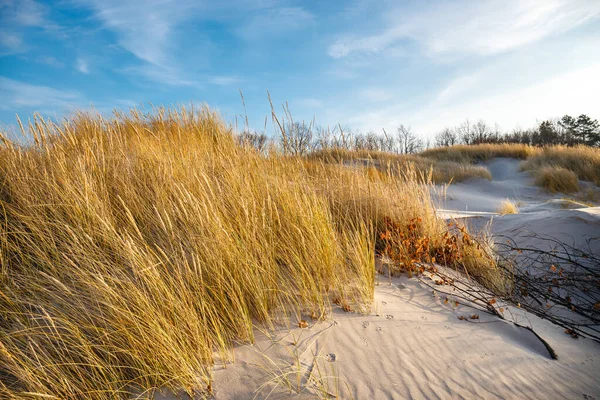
(438,172)
(556,168)
(507,207)
(583,161)
(480,152)
(556,179)
(135,251)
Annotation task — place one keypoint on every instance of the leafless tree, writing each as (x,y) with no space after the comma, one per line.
(298,139)
(446,137)
(389,142)
(408,142)
(254,139)
(480,132)
(466,132)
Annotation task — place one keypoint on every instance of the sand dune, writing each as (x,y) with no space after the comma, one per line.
(414,346)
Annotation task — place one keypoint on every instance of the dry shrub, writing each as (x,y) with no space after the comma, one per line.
(135,250)
(584,161)
(480,152)
(556,179)
(412,249)
(507,207)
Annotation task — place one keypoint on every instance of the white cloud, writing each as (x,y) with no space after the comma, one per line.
(17,95)
(275,21)
(82,66)
(143,28)
(571,92)
(163,74)
(467,27)
(309,103)
(375,95)
(10,40)
(51,61)
(222,80)
(23,12)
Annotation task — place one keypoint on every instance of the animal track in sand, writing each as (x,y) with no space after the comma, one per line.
(365,324)
(388,316)
(363,341)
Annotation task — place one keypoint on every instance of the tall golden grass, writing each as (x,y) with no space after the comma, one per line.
(136,250)
(507,207)
(481,152)
(583,161)
(556,179)
(438,171)
(555,168)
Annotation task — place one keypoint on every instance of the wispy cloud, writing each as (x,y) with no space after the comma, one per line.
(165,75)
(82,66)
(275,21)
(375,94)
(10,40)
(143,28)
(466,27)
(16,96)
(223,80)
(51,61)
(16,17)
(23,12)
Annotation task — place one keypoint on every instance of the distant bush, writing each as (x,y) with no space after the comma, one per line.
(557,179)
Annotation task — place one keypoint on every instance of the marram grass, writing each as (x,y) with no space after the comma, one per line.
(135,251)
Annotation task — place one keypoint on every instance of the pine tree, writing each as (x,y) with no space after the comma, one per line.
(587,130)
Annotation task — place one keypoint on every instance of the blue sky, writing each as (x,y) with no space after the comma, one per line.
(365,64)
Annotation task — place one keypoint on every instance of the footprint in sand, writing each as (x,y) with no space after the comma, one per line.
(384,302)
(379,329)
(365,324)
(363,341)
(388,316)
(330,357)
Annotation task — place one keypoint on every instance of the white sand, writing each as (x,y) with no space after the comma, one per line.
(413,345)
(540,213)
(416,347)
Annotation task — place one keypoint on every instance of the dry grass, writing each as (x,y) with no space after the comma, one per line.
(437,171)
(556,179)
(549,165)
(584,161)
(136,250)
(480,152)
(507,207)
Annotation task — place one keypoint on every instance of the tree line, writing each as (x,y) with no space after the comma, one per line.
(567,131)
(299,138)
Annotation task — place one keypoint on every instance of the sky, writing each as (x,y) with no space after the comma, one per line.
(364,64)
